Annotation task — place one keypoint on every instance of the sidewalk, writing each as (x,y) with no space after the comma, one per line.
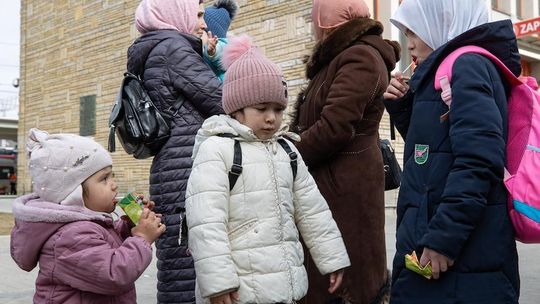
(18,286)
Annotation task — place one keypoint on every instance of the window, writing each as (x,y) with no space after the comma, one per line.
(87,125)
(525,9)
(501,6)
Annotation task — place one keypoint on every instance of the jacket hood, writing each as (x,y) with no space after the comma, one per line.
(357,31)
(224,124)
(496,37)
(36,221)
(139,51)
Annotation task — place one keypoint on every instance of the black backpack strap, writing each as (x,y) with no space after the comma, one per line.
(292,155)
(236,168)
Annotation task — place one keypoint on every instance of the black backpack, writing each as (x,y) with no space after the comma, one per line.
(236,168)
(141,128)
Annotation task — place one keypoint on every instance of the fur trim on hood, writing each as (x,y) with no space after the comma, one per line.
(357,31)
(343,37)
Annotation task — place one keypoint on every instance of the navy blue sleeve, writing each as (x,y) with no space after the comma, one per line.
(196,80)
(478,147)
(400,111)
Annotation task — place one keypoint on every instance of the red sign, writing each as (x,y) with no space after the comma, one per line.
(527,27)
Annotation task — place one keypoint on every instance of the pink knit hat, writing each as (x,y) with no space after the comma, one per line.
(327,14)
(180,15)
(250,77)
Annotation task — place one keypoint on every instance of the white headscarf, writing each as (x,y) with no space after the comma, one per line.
(438,21)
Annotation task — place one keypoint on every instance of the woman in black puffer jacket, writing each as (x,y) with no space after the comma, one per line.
(168,58)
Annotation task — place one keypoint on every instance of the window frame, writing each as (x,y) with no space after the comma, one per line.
(520,9)
(87,115)
(497,6)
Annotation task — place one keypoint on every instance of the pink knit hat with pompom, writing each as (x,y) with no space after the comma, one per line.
(250,77)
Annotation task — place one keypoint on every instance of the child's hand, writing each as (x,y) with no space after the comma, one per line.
(149,227)
(335,280)
(204,37)
(439,262)
(397,87)
(146,202)
(212,41)
(227,298)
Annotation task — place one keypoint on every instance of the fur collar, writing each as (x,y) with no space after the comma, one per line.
(340,39)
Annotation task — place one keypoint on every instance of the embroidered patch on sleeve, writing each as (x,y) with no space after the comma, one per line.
(421,154)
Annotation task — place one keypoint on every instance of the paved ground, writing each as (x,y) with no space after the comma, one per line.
(17,286)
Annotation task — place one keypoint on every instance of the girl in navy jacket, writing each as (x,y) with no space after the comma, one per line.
(452,201)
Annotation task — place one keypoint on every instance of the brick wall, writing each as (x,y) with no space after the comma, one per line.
(75,48)
(72,49)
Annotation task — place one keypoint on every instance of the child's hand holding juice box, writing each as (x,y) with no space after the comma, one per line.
(412,263)
(132,205)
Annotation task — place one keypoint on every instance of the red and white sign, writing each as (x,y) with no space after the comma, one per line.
(527,27)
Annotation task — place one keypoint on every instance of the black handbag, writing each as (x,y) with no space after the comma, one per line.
(392,170)
(141,128)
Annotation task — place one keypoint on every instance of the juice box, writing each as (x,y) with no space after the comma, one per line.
(132,206)
(412,263)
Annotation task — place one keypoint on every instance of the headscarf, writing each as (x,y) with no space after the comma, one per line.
(327,14)
(180,15)
(438,21)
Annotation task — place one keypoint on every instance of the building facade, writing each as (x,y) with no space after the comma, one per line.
(73,55)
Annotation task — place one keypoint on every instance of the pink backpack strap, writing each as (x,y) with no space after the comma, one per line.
(443,76)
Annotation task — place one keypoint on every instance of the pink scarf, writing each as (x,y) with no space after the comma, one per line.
(180,15)
(327,14)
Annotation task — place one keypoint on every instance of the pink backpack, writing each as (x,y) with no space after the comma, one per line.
(522,176)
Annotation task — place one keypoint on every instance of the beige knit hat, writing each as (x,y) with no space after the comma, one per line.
(250,77)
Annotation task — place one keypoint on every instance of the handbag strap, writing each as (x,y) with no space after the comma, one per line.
(392,130)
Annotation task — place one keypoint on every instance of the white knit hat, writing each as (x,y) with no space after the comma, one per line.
(60,163)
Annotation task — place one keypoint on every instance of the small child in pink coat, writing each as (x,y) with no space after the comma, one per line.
(65,225)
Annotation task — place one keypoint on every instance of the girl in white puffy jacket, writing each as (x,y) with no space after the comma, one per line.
(246,205)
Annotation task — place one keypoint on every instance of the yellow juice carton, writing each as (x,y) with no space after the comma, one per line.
(132,206)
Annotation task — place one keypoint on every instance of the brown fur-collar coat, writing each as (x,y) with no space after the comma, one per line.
(338,118)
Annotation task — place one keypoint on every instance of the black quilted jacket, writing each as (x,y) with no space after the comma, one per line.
(172,68)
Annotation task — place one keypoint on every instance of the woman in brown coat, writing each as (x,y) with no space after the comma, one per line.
(338,119)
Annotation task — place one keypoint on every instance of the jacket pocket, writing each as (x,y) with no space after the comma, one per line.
(485,287)
(242,229)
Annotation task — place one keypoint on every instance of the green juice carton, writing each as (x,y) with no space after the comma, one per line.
(132,206)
